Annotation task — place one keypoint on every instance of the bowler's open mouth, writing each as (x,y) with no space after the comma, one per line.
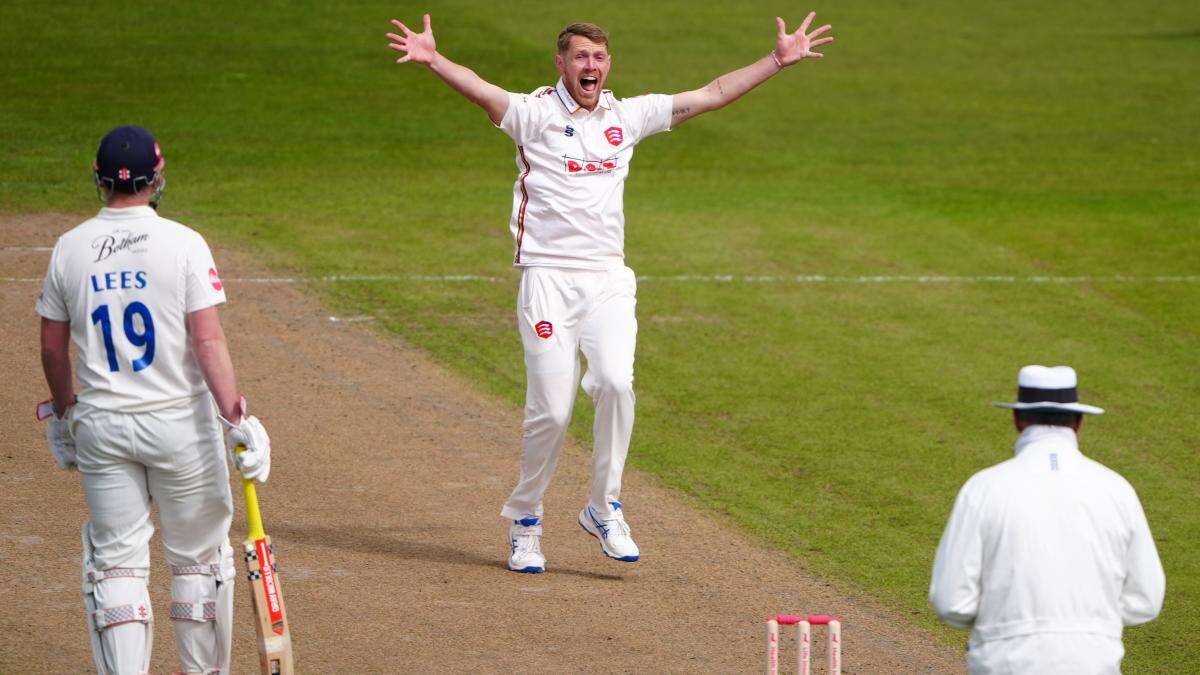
(588,84)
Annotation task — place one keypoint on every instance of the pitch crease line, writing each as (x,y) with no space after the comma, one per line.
(724,279)
(721,279)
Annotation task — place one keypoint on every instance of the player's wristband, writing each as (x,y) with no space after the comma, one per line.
(775,58)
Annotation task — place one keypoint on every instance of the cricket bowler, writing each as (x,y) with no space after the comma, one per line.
(574,144)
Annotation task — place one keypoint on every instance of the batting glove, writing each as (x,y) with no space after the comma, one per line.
(249,446)
(58,435)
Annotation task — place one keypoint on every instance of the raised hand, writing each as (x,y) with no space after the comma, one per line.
(794,47)
(417,47)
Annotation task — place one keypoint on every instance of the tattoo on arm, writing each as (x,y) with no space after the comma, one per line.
(719,87)
(680,111)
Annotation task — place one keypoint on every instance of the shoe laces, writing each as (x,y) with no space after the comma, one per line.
(617,525)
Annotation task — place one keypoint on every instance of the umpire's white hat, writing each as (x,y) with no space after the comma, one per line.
(1045,389)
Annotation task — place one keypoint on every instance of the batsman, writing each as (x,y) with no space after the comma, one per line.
(574,145)
(137,295)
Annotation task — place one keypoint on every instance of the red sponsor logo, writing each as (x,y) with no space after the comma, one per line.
(590,166)
(214,278)
(123,174)
(544,329)
(266,563)
(614,135)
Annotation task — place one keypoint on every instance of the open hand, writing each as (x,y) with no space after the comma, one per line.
(794,47)
(418,47)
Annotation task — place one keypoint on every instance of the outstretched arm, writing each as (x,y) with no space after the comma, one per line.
(420,48)
(790,48)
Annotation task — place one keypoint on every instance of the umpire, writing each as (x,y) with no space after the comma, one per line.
(1047,556)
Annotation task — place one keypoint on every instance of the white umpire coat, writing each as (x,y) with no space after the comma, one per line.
(1046,557)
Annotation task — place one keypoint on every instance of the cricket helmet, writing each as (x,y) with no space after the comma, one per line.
(128,160)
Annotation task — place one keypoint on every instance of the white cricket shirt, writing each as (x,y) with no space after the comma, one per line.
(126,281)
(1049,542)
(568,204)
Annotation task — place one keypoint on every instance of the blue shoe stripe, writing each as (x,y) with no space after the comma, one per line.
(596,522)
(625,558)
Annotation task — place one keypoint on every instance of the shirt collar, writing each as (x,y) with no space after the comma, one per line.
(573,107)
(126,212)
(1043,434)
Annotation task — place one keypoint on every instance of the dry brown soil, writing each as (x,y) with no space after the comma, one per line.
(383,502)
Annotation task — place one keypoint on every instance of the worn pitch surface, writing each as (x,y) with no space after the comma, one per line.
(388,475)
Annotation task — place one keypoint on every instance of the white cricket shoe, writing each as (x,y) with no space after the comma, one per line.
(611,530)
(525,541)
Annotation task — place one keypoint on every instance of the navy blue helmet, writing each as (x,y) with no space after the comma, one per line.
(128,160)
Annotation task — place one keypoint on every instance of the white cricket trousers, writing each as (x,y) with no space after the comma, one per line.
(175,456)
(562,312)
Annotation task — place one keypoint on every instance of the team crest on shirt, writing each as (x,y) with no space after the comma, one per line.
(614,135)
(577,166)
(544,329)
(214,278)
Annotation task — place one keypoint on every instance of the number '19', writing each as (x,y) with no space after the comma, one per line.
(143,338)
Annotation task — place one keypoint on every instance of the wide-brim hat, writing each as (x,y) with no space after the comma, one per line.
(1043,389)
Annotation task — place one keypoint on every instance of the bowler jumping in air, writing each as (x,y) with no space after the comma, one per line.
(575,142)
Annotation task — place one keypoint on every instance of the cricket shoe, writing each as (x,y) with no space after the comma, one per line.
(611,530)
(525,541)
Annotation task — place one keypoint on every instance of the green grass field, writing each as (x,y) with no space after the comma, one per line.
(834,420)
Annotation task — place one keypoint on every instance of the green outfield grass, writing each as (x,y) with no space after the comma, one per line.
(835,420)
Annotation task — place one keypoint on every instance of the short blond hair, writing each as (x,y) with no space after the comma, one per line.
(587,30)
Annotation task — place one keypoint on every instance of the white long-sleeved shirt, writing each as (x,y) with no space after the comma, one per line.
(1046,542)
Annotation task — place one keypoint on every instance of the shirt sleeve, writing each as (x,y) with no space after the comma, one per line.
(954,590)
(523,119)
(202,284)
(1145,583)
(647,115)
(51,302)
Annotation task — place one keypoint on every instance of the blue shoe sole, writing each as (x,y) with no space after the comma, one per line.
(529,570)
(624,558)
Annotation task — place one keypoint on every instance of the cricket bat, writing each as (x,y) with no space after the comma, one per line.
(266,594)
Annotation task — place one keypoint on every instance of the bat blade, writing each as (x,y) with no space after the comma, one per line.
(270,615)
(266,592)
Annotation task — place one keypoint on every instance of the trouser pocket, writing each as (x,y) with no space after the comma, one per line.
(539,313)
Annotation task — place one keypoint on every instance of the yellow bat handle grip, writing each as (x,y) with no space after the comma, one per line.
(253,515)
